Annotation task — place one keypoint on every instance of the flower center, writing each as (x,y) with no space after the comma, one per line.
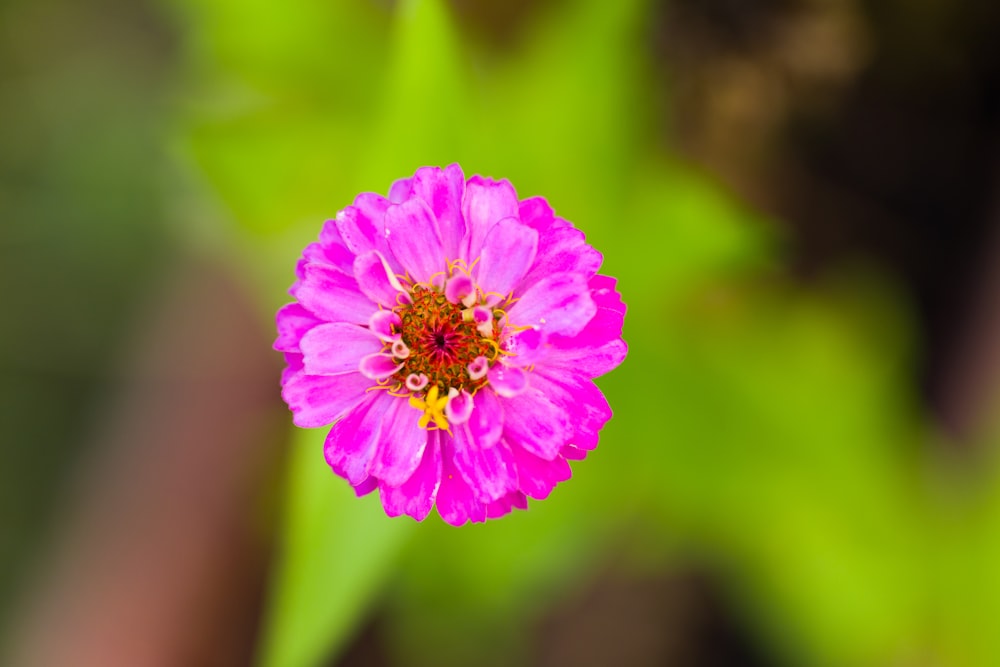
(443,340)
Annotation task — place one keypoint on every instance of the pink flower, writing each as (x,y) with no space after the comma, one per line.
(450,334)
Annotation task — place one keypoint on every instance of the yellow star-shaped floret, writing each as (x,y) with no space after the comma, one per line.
(432,407)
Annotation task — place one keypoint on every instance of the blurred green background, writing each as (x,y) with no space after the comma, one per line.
(798,198)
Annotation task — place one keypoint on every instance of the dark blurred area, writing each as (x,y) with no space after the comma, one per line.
(82,238)
(871,129)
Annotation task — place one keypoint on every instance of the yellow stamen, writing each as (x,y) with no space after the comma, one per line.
(456,264)
(432,407)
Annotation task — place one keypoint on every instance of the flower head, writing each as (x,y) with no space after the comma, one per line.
(450,334)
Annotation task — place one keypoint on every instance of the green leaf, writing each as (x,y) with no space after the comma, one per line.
(424,105)
(335,552)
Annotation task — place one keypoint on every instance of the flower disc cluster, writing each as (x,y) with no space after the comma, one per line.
(450,334)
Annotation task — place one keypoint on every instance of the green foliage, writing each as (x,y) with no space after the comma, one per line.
(766,427)
(335,553)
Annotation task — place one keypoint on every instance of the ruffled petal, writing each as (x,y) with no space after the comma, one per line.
(507,381)
(318,400)
(533,422)
(580,400)
(350,444)
(486,422)
(503,506)
(579,357)
(603,291)
(332,247)
(557,304)
(378,366)
(599,347)
(414,239)
(537,214)
(605,326)
(365,487)
(337,256)
(456,501)
(333,296)
(400,190)
(401,444)
(337,347)
(486,203)
(415,497)
(525,347)
(293,367)
(381,324)
(573,453)
(442,190)
(459,407)
(293,322)
(489,472)
(376,280)
(536,476)
(508,251)
(561,250)
(360,226)
(460,289)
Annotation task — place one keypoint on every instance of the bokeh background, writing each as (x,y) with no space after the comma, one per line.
(800,200)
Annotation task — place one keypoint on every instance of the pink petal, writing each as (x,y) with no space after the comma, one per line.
(486,422)
(478,367)
(507,381)
(414,239)
(490,473)
(415,497)
(580,400)
(536,477)
(460,289)
(365,487)
(503,506)
(335,254)
(329,236)
(360,227)
(293,321)
(456,502)
(400,190)
(561,250)
(294,366)
(573,453)
(337,347)
(508,251)
(332,295)
(602,290)
(576,355)
(559,304)
(376,280)
(533,422)
(598,348)
(350,444)
(401,444)
(537,214)
(606,325)
(525,347)
(318,400)
(459,407)
(366,227)
(381,323)
(486,203)
(378,366)
(442,190)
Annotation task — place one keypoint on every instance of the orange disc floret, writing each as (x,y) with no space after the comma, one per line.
(441,342)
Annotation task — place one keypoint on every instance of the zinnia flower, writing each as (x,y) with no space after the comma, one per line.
(450,334)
